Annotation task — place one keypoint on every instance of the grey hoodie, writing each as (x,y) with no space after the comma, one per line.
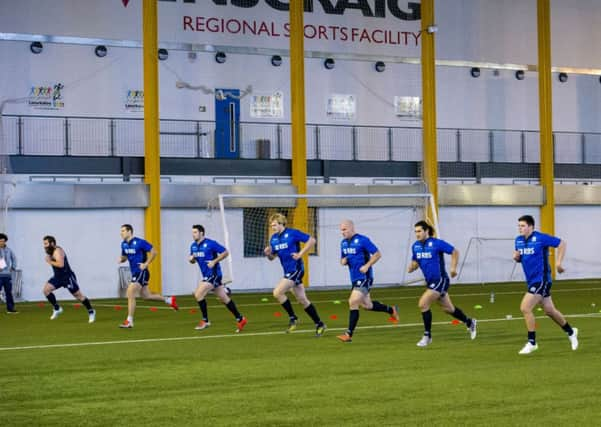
(10,259)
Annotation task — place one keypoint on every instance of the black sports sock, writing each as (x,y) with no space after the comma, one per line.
(460,315)
(288,307)
(427,316)
(568,329)
(378,306)
(353,319)
(532,337)
(203,308)
(312,312)
(52,300)
(86,303)
(231,306)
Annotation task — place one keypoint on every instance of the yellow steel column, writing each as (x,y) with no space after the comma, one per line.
(428,62)
(152,157)
(545,101)
(299,146)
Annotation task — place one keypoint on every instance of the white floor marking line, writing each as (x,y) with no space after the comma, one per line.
(254,334)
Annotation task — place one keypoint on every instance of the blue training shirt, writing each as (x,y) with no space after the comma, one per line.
(534,253)
(285,244)
(205,251)
(429,255)
(357,250)
(136,251)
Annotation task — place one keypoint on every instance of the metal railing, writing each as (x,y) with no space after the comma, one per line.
(105,136)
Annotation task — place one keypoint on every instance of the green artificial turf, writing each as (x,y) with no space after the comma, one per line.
(163,372)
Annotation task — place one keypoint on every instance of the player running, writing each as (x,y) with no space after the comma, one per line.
(136,251)
(63,277)
(532,251)
(428,255)
(285,244)
(208,254)
(360,254)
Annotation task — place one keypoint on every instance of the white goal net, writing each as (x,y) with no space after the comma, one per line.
(387,219)
(489,260)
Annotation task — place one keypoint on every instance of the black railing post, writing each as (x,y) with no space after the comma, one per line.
(389,141)
(458,152)
(112,137)
(317,143)
(20,135)
(278,137)
(523,147)
(198,140)
(354,142)
(66,136)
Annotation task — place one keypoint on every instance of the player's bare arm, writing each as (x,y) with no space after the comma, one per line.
(306,248)
(219,258)
(516,256)
(561,251)
(57,259)
(412,267)
(371,261)
(454,262)
(151,257)
(267,251)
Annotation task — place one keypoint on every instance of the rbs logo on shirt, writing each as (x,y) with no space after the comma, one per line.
(349,251)
(130,251)
(198,254)
(526,251)
(423,255)
(281,246)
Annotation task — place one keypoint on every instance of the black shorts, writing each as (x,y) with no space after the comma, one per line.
(441,286)
(363,286)
(296,276)
(69,282)
(542,288)
(142,277)
(213,280)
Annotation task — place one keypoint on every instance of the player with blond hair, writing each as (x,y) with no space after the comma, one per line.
(285,244)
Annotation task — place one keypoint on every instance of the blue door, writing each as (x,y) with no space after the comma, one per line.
(227,123)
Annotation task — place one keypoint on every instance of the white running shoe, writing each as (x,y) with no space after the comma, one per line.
(56,313)
(529,348)
(92,316)
(426,340)
(126,324)
(472,329)
(574,339)
(202,325)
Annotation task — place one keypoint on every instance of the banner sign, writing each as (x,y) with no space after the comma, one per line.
(134,100)
(408,107)
(47,97)
(342,107)
(269,106)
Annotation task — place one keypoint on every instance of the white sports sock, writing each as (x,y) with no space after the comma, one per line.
(130,319)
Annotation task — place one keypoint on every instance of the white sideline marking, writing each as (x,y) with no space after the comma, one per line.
(254,334)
